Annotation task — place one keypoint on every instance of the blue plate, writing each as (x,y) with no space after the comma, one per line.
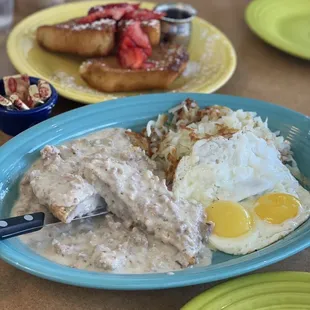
(17,155)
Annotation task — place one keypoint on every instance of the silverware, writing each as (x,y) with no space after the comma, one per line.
(24,224)
(176,26)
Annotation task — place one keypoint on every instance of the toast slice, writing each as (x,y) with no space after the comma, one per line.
(58,186)
(106,74)
(94,39)
(89,40)
(70,197)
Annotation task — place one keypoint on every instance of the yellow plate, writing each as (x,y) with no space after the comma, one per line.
(267,291)
(212,56)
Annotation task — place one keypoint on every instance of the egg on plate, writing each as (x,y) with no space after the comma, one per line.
(248,193)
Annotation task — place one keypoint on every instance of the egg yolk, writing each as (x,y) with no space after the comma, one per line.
(275,208)
(230,218)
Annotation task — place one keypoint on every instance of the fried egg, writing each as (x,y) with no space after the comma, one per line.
(249,195)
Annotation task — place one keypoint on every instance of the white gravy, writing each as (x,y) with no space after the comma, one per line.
(104,243)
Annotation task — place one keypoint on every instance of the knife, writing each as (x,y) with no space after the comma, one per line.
(24,224)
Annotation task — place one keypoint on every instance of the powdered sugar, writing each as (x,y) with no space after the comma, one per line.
(150,23)
(211,64)
(191,69)
(97,25)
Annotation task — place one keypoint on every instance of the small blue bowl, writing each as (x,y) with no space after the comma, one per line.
(14,122)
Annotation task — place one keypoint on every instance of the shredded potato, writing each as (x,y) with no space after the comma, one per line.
(172,136)
(139,140)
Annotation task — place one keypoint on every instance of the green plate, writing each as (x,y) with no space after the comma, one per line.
(266,291)
(284,24)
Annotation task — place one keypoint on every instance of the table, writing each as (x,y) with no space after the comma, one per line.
(263,73)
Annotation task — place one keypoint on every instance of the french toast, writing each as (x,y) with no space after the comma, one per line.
(90,39)
(162,68)
(95,34)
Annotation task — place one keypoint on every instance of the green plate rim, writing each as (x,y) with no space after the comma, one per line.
(199,302)
(251,7)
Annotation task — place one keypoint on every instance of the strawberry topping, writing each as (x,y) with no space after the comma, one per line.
(134,46)
(134,31)
(115,11)
(127,43)
(132,58)
(143,14)
(129,7)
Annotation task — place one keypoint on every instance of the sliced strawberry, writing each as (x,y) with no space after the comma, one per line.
(134,46)
(126,43)
(143,15)
(91,18)
(138,36)
(114,11)
(129,7)
(132,58)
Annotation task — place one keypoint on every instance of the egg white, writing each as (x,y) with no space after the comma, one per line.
(263,233)
(240,169)
(230,169)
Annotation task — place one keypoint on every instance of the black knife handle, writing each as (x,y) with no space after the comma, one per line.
(20,225)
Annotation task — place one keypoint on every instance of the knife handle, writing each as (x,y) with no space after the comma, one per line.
(20,225)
